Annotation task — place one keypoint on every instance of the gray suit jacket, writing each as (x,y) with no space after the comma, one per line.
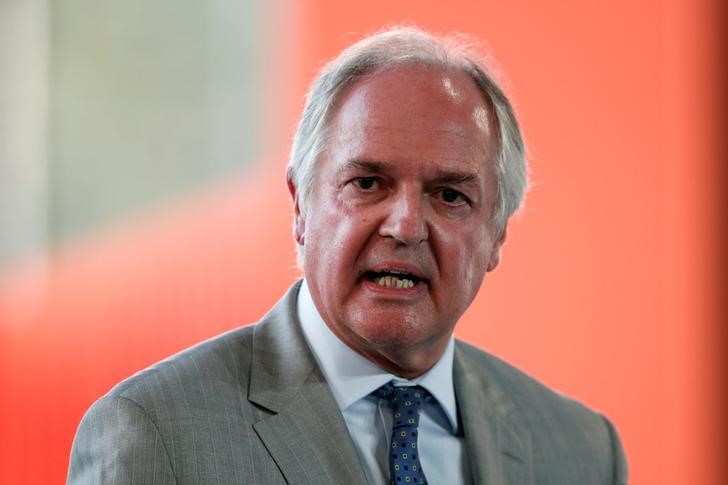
(252,406)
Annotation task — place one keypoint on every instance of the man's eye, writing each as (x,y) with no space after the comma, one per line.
(452,196)
(365,183)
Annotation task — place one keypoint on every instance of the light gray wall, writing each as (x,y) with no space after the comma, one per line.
(23,126)
(126,104)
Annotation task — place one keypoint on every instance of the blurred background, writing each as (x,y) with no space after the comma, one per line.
(143,206)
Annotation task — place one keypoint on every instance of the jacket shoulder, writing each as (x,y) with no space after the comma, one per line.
(522,389)
(214,369)
(566,437)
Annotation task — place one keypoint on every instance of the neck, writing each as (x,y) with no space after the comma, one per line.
(408,362)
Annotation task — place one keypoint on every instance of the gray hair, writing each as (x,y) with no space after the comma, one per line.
(388,50)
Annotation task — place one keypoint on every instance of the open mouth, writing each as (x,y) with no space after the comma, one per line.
(393,279)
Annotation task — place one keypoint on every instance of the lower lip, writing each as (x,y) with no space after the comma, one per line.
(405,293)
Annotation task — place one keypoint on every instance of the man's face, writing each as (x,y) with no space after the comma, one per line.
(397,235)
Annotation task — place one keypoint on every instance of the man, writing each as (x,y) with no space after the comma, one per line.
(405,168)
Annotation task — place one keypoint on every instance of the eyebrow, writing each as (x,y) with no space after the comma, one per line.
(378,167)
(456,177)
(365,165)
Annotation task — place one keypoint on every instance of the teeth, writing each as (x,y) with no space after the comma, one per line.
(394,282)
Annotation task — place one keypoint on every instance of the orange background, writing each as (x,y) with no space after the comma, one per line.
(608,286)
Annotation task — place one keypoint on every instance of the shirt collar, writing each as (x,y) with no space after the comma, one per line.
(352,376)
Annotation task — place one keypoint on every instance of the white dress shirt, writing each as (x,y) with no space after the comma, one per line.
(352,379)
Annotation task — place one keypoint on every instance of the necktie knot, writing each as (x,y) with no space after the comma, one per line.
(406,403)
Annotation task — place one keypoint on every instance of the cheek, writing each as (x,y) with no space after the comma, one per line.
(464,257)
(340,236)
(471,265)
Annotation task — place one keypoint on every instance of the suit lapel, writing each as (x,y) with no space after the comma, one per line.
(498,448)
(306,435)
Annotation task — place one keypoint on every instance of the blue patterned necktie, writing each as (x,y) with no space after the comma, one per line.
(404,461)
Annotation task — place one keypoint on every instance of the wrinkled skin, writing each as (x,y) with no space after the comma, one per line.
(407,184)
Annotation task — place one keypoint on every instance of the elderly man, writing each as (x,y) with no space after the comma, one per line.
(405,168)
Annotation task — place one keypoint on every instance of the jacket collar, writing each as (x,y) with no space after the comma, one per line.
(306,434)
(498,447)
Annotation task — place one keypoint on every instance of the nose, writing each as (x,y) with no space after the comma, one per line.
(405,220)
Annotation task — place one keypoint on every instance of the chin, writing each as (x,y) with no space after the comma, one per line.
(402,332)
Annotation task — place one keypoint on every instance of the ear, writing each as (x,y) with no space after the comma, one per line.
(495,251)
(299,225)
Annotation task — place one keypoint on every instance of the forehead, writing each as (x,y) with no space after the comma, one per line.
(417,117)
